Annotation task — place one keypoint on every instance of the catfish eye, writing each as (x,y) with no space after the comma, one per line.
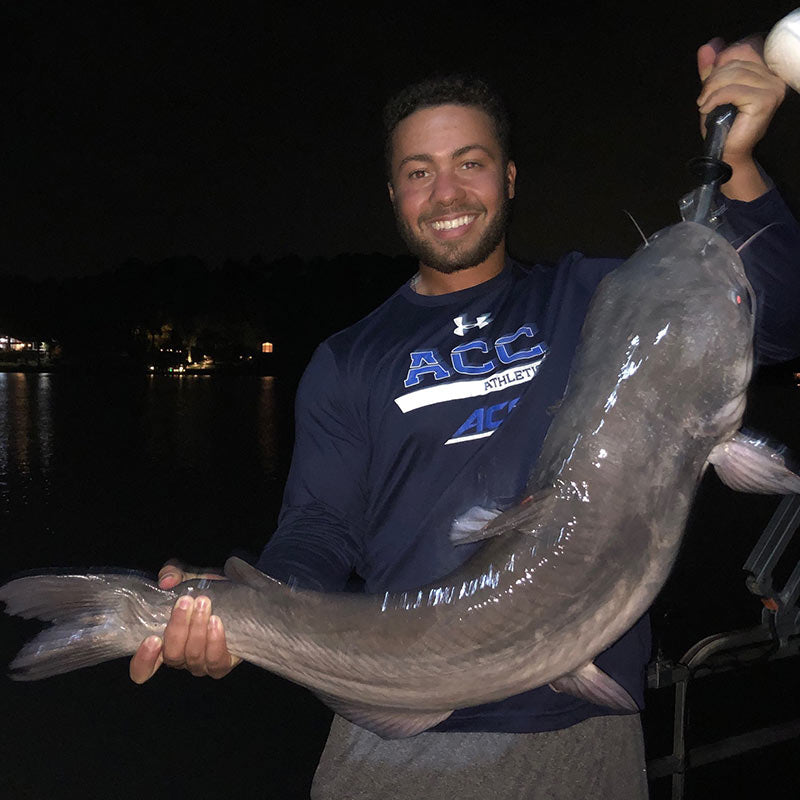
(741,297)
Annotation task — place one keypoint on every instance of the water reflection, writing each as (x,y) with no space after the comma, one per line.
(25,434)
(130,470)
(268,417)
(189,419)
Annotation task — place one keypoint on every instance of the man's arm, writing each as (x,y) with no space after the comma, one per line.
(769,237)
(319,538)
(756,216)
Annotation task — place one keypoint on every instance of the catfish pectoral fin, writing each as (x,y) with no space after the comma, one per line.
(473,525)
(598,687)
(480,523)
(388,723)
(749,463)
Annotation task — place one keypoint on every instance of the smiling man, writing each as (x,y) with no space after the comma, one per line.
(451,205)
(439,401)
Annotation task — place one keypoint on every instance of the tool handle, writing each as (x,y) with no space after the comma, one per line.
(718,126)
(709,168)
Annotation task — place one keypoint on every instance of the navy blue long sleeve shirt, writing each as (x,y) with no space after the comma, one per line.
(406,419)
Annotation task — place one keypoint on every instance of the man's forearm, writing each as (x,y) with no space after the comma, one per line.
(747,182)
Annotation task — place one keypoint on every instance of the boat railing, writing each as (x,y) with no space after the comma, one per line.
(777,636)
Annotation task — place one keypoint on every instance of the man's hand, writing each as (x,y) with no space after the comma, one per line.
(737,74)
(194,638)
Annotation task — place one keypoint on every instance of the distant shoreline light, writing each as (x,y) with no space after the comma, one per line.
(16,345)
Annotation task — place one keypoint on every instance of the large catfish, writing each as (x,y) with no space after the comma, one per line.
(656,392)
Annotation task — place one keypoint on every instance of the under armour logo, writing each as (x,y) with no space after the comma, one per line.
(481,321)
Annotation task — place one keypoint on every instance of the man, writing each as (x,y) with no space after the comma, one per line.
(388,452)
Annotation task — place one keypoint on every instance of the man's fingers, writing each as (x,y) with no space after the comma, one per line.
(714,55)
(174,572)
(146,660)
(707,56)
(171,574)
(743,75)
(748,99)
(177,631)
(194,639)
(195,650)
(751,48)
(190,639)
(219,662)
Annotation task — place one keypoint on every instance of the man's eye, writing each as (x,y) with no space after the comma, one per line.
(417,173)
(471,164)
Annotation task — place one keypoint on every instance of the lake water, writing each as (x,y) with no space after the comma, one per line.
(130,470)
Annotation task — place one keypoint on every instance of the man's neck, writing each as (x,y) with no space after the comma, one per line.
(431,282)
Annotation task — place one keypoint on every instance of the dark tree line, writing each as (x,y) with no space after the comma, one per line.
(122,316)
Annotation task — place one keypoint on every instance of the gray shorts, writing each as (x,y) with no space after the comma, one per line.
(602,757)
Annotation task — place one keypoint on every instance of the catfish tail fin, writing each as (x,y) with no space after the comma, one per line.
(94,618)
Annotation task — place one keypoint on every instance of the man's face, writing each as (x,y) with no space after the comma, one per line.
(450,189)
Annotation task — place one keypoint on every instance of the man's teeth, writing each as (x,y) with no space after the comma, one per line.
(449,224)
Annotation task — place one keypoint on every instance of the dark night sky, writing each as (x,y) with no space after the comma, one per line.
(227,130)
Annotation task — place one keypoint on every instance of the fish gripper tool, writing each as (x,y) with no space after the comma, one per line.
(709,168)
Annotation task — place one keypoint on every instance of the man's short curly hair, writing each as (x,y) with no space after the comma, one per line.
(461,89)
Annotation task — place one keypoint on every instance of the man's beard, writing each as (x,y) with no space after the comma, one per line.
(449,257)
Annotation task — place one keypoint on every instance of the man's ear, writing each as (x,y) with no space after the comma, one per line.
(511,178)
(391,191)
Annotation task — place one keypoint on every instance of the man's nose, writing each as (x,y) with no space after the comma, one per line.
(446,188)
